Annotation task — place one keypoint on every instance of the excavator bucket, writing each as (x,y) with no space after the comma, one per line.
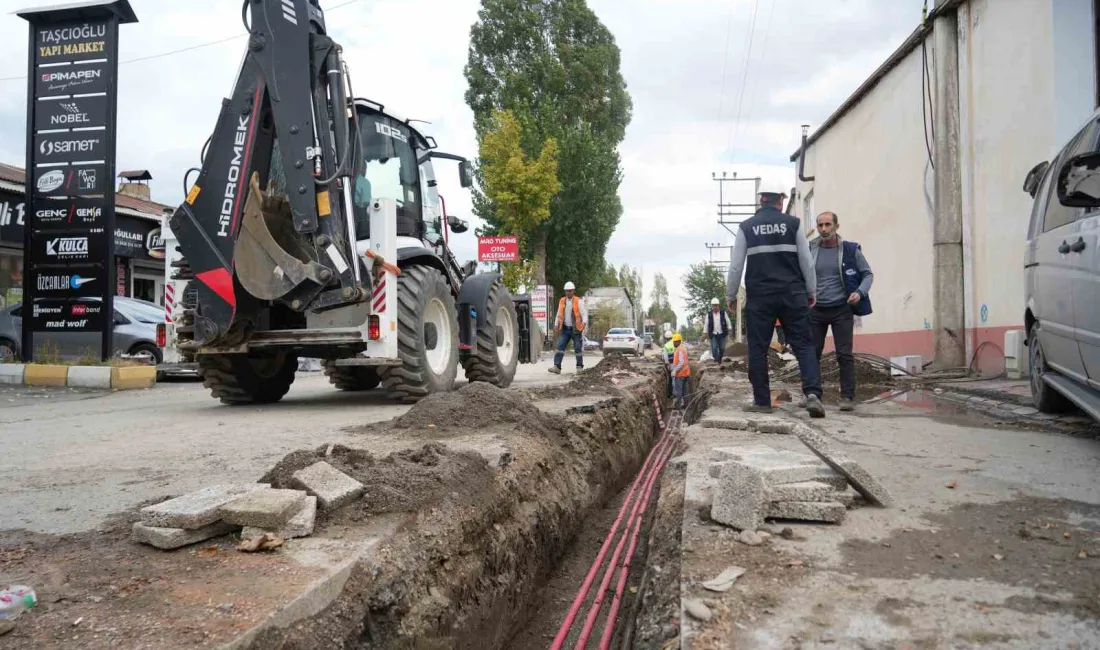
(269,257)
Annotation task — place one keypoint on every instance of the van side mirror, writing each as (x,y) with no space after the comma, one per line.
(465,174)
(1034,177)
(1079,181)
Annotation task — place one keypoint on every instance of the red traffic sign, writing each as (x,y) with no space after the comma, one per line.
(498,248)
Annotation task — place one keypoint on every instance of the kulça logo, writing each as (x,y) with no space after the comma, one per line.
(67,247)
(50,181)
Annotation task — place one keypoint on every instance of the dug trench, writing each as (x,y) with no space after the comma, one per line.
(475,501)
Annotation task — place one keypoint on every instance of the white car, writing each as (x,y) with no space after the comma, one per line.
(623,339)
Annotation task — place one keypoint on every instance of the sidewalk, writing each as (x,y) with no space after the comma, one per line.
(1007,399)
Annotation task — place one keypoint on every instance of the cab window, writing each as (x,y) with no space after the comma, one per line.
(1058,215)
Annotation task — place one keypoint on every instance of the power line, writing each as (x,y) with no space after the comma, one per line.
(759,62)
(192,47)
(725,61)
(745,72)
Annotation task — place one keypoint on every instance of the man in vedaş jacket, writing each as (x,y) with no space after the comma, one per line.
(570,327)
(843,281)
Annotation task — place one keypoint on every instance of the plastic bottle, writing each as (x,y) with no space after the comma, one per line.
(14,599)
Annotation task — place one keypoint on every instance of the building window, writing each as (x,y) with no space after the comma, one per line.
(808,212)
(11,278)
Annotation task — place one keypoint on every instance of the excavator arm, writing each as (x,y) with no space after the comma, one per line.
(268,216)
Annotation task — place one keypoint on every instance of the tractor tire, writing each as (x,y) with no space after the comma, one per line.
(243,379)
(351,378)
(496,353)
(427,336)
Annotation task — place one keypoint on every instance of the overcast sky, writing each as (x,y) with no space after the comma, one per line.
(684,62)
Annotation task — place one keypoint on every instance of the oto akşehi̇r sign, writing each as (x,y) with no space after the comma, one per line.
(498,248)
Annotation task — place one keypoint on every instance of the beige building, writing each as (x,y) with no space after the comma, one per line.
(1027,80)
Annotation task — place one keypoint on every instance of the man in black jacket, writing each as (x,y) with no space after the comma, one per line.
(717,329)
(779,283)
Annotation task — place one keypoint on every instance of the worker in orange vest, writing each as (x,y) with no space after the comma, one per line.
(569,326)
(681,370)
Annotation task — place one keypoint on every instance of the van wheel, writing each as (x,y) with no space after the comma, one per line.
(1045,398)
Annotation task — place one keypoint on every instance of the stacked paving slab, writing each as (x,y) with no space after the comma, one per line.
(253,509)
(758,482)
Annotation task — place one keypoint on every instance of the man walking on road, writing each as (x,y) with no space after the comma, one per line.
(717,329)
(779,283)
(570,327)
(681,371)
(843,280)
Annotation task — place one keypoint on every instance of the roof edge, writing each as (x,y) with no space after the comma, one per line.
(891,62)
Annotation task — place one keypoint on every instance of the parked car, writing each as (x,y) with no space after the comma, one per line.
(135,332)
(590,345)
(648,339)
(622,339)
(1062,276)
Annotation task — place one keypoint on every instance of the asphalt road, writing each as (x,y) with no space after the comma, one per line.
(72,457)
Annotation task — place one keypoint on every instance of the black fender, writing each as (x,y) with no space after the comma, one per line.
(419,256)
(475,294)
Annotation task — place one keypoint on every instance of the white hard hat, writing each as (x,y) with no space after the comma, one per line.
(714,301)
(668,334)
(569,286)
(773,186)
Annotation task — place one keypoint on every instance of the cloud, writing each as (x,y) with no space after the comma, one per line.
(687,89)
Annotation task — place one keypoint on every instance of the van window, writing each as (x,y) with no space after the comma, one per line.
(1058,215)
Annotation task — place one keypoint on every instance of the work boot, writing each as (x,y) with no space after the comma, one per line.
(814,406)
(847,404)
(756,408)
(554,369)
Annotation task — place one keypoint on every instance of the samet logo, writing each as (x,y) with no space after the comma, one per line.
(50,181)
(67,247)
(49,147)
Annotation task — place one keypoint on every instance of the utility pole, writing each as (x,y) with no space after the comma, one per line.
(949,336)
(730,215)
(722,265)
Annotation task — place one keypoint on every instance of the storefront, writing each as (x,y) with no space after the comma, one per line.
(139,247)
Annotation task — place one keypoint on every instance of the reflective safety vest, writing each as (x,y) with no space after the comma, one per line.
(680,356)
(578,322)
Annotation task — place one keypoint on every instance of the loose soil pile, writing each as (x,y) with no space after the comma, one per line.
(478,405)
(603,373)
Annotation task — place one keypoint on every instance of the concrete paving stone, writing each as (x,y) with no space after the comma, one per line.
(780,467)
(829,511)
(300,525)
(197,509)
(804,491)
(860,478)
(772,425)
(170,538)
(332,487)
(710,421)
(264,508)
(739,499)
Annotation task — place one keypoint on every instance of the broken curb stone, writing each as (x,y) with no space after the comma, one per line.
(831,512)
(268,509)
(300,525)
(739,499)
(196,509)
(332,487)
(860,478)
(803,491)
(173,538)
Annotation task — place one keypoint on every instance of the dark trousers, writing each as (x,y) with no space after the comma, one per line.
(567,334)
(842,321)
(717,346)
(793,310)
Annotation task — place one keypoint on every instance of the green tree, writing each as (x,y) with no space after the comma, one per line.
(660,309)
(702,283)
(631,279)
(520,189)
(556,67)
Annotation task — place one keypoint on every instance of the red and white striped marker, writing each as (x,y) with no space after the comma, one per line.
(169,302)
(378,295)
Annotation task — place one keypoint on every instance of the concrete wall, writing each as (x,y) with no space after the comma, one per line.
(1027,81)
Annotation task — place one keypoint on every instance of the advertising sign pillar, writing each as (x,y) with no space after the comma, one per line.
(72,97)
